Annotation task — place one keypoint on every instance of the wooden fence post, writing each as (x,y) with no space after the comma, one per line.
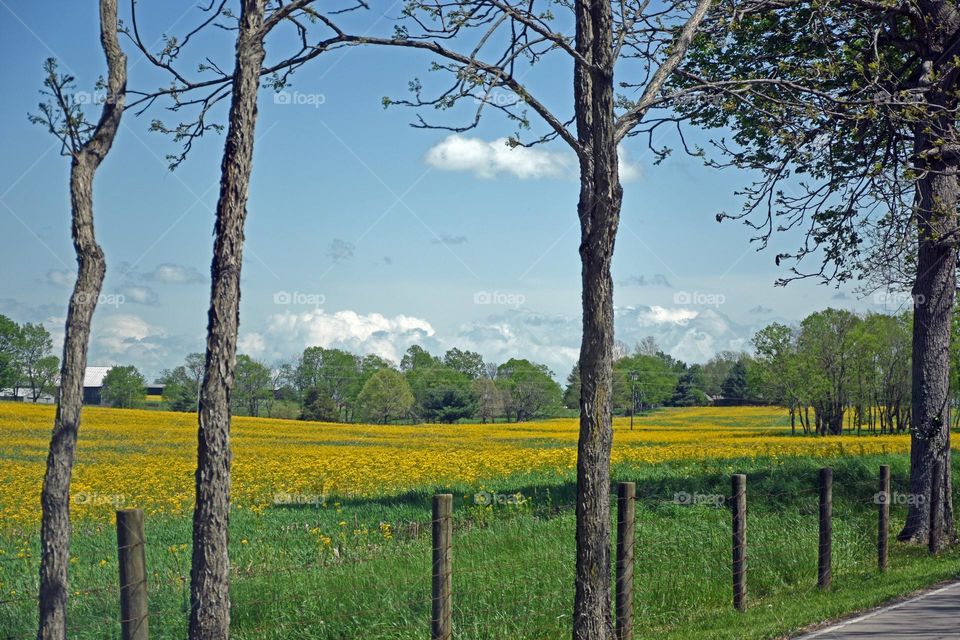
(626,515)
(441,625)
(826,529)
(739,486)
(933,541)
(883,523)
(134,617)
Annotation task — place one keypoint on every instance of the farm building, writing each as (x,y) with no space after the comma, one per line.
(93,384)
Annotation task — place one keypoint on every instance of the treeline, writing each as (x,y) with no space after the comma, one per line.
(28,368)
(334,385)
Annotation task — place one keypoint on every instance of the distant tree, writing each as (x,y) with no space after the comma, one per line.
(571,395)
(642,381)
(9,332)
(489,399)
(735,389)
(417,357)
(468,363)
(253,385)
(123,387)
(319,406)
(446,395)
(716,370)
(386,396)
(43,377)
(826,346)
(529,390)
(689,391)
(32,351)
(179,389)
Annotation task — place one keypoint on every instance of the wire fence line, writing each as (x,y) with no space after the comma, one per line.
(449,576)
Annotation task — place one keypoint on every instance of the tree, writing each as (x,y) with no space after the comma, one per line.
(778,364)
(528,389)
(469,363)
(689,391)
(826,341)
(32,349)
(179,392)
(210,564)
(386,396)
(86,145)
(643,381)
(447,395)
(319,406)
(123,387)
(253,385)
(489,399)
(571,395)
(498,38)
(716,370)
(43,376)
(859,100)
(9,332)
(735,389)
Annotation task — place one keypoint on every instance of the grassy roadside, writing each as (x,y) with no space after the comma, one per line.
(362,568)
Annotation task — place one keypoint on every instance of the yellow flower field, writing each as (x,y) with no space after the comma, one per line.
(146,459)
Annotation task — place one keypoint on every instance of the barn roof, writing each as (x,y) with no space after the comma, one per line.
(93,376)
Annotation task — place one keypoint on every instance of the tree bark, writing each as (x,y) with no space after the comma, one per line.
(210,568)
(55,528)
(934,290)
(599,212)
(934,293)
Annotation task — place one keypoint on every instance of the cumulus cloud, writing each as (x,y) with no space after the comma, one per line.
(170,273)
(61,279)
(490,159)
(289,333)
(139,294)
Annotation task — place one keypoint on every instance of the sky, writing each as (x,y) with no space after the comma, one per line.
(364,232)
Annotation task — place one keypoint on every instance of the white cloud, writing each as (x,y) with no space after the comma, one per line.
(489,159)
(661,315)
(289,333)
(169,273)
(62,279)
(138,294)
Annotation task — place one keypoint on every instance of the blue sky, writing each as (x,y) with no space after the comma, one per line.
(364,232)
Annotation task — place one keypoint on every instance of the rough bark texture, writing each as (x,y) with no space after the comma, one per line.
(55,497)
(210,569)
(935,287)
(599,212)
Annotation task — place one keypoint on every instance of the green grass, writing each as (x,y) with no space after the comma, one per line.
(513,565)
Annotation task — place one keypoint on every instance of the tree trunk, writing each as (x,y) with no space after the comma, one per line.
(934,289)
(599,212)
(91,267)
(934,293)
(210,570)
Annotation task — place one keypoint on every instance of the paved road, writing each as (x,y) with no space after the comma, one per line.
(930,616)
